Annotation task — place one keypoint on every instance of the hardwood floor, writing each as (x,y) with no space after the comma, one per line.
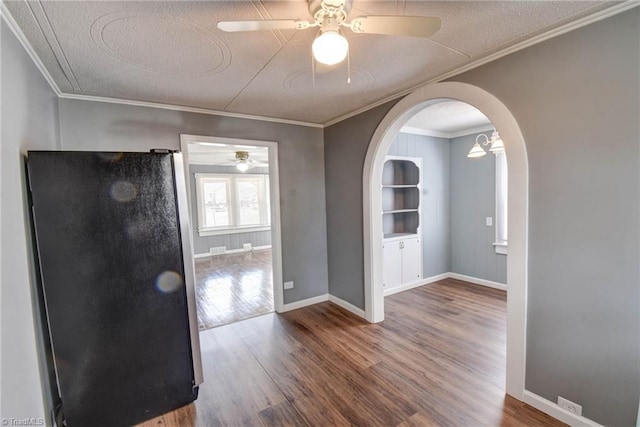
(233,287)
(437,360)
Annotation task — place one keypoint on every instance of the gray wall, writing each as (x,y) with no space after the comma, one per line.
(473,198)
(345,148)
(576,99)
(86,125)
(435,197)
(201,245)
(29,122)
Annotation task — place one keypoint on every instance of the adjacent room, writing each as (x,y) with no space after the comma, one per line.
(230,198)
(323,212)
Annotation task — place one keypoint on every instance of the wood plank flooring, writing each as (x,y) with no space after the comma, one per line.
(233,287)
(437,360)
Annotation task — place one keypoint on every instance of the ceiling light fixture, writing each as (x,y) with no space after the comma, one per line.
(330,47)
(495,143)
(242,166)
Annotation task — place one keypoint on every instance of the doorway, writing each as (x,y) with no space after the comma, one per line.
(506,124)
(233,192)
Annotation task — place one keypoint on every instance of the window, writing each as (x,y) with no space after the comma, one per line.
(232,203)
(501,203)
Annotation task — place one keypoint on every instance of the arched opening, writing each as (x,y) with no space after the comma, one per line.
(506,124)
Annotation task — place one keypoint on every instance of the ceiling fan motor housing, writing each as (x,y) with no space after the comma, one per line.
(335,9)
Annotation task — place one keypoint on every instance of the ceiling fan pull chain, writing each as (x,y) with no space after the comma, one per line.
(313,71)
(348,67)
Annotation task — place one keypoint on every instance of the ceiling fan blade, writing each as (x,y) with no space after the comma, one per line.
(269,24)
(414,26)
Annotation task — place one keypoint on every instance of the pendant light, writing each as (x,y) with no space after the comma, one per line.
(496,145)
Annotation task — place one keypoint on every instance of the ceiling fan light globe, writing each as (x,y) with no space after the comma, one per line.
(242,167)
(330,48)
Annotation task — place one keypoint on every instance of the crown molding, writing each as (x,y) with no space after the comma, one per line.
(15,29)
(574,25)
(425,132)
(448,135)
(472,131)
(186,109)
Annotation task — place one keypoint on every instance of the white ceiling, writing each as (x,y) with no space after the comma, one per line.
(448,119)
(171,52)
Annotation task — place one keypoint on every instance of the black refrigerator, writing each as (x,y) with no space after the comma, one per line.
(113,245)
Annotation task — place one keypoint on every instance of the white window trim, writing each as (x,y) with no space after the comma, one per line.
(500,245)
(233,206)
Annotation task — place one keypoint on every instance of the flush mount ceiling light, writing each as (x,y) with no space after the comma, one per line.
(496,145)
(242,159)
(331,47)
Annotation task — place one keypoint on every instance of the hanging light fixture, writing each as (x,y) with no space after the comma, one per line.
(330,47)
(496,145)
(242,166)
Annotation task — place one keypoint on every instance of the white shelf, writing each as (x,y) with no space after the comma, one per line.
(398,235)
(400,211)
(400,186)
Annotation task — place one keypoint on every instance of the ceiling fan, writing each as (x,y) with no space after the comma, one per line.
(330,46)
(243,163)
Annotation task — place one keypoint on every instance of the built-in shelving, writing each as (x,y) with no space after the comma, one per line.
(401,198)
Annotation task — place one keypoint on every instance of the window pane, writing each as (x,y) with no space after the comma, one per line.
(216,204)
(248,202)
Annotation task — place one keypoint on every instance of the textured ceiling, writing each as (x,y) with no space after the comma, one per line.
(448,117)
(171,52)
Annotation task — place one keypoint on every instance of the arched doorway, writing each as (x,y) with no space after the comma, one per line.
(518,197)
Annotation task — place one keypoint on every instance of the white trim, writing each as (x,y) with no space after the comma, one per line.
(236,230)
(188,263)
(274,187)
(447,135)
(475,280)
(425,132)
(597,16)
(511,134)
(233,251)
(304,303)
(501,248)
(418,283)
(471,131)
(186,109)
(347,306)
(17,31)
(557,412)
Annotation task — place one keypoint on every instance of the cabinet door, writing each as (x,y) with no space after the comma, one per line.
(391,264)
(411,262)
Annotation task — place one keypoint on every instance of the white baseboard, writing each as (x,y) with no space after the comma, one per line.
(415,284)
(347,306)
(305,302)
(477,281)
(557,412)
(233,251)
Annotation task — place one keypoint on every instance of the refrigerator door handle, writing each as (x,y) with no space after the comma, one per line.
(189,266)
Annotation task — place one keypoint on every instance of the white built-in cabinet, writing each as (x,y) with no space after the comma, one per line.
(401,209)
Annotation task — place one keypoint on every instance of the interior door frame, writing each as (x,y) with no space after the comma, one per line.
(274,198)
